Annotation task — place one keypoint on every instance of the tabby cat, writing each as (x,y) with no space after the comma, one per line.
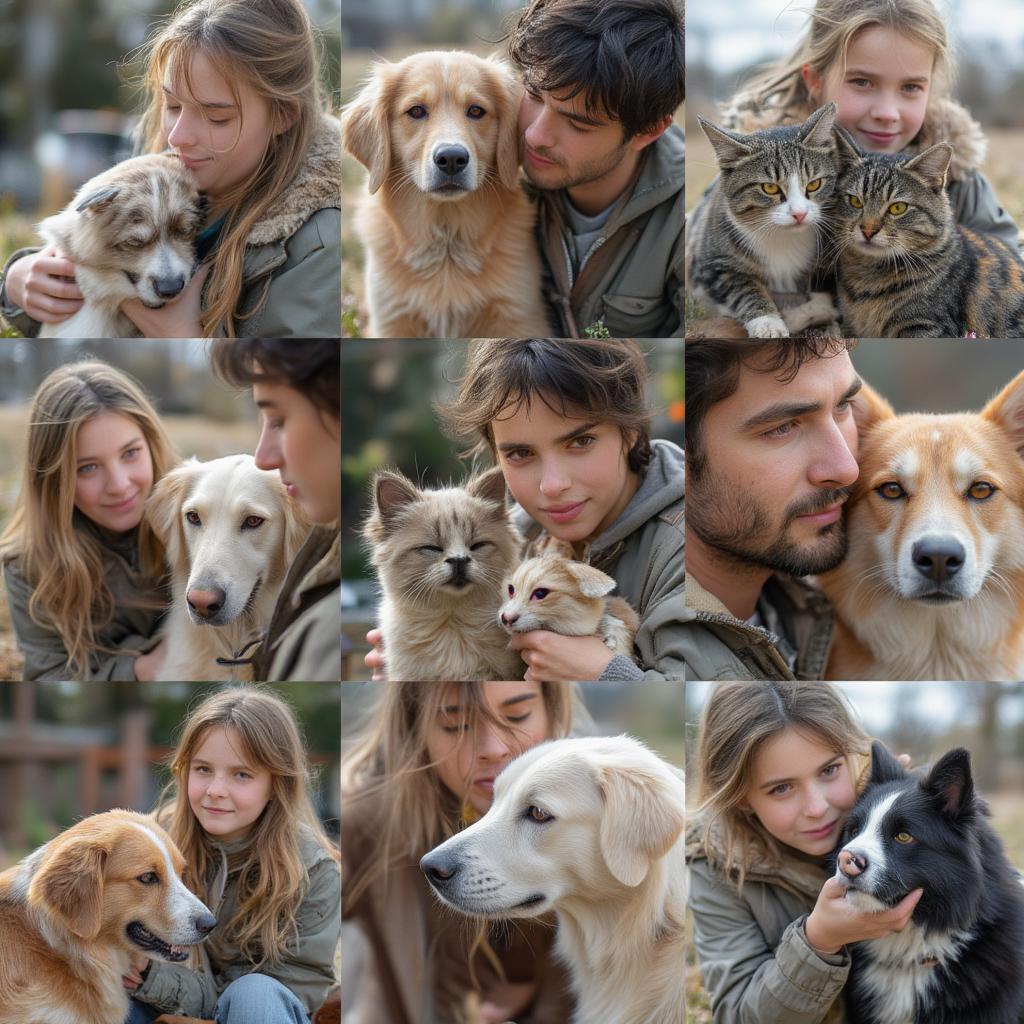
(441,558)
(752,244)
(906,269)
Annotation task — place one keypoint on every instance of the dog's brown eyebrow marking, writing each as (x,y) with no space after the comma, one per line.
(96,458)
(792,410)
(509,446)
(776,782)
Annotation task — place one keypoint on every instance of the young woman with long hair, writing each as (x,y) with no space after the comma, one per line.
(233,89)
(83,569)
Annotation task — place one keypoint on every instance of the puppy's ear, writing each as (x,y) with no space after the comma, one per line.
(508,93)
(593,582)
(1006,411)
(490,486)
(70,885)
(163,509)
(884,767)
(869,408)
(950,783)
(643,816)
(365,128)
(98,200)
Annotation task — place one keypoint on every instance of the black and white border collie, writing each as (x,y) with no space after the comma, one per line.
(960,960)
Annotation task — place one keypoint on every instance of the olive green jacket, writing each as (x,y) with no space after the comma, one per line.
(293,253)
(632,277)
(754,958)
(139,603)
(307,970)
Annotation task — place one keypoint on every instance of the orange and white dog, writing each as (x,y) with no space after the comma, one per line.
(933,585)
(76,912)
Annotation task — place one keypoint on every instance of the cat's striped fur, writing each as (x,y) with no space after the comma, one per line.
(906,269)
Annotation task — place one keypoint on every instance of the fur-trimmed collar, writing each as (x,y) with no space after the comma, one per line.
(316,186)
(945,121)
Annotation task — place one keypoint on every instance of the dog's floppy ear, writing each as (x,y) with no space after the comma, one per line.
(593,582)
(163,508)
(1006,411)
(98,201)
(642,818)
(507,93)
(69,885)
(365,127)
(490,486)
(869,408)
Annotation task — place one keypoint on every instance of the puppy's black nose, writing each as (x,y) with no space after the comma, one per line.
(205,923)
(451,159)
(168,287)
(439,868)
(938,558)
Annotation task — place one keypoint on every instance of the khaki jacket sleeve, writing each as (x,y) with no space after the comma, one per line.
(11,314)
(180,990)
(977,208)
(750,983)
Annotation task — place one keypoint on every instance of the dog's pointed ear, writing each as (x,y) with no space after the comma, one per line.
(643,816)
(365,127)
(593,582)
(490,486)
(951,784)
(1006,410)
(163,508)
(869,408)
(69,885)
(97,201)
(884,767)
(508,93)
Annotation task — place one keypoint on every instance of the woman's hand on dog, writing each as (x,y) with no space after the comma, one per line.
(553,658)
(133,979)
(43,284)
(834,921)
(178,319)
(504,1002)
(374,658)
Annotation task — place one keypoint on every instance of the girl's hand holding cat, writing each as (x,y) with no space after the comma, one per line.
(374,658)
(553,658)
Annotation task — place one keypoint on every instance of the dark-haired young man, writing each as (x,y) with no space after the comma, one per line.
(603,79)
(771,458)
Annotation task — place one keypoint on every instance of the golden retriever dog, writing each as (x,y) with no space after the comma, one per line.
(568,597)
(130,232)
(76,912)
(230,533)
(447,229)
(593,830)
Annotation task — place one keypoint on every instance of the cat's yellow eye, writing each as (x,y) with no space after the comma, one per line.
(855,202)
(903,837)
(813,186)
(897,208)
(770,188)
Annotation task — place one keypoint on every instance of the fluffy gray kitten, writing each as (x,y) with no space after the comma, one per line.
(441,558)
(752,244)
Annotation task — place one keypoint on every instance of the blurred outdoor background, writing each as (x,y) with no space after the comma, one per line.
(203,417)
(724,42)
(72,749)
(923,720)
(387,393)
(68,97)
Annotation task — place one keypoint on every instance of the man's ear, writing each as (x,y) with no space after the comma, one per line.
(643,139)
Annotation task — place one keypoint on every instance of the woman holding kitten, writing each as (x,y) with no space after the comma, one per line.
(233,90)
(887,65)
(422,767)
(84,571)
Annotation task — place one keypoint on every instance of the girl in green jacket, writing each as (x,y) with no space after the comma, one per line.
(239,810)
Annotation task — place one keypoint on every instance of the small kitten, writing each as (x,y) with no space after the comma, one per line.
(552,592)
(906,269)
(752,244)
(441,556)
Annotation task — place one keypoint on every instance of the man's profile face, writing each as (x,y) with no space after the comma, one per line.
(780,462)
(566,145)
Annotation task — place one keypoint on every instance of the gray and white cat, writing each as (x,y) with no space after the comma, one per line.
(753,243)
(441,558)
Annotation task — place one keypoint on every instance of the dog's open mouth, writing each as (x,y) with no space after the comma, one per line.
(145,939)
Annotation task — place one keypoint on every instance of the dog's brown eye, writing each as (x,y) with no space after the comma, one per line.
(538,814)
(253,522)
(539,594)
(193,518)
(417,112)
(475,112)
(149,878)
(981,490)
(891,491)
(903,837)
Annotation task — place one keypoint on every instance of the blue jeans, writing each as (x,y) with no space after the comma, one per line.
(251,999)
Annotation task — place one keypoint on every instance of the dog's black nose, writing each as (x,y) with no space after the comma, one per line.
(938,558)
(205,923)
(439,868)
(168,287)
(451,159)
(205,603)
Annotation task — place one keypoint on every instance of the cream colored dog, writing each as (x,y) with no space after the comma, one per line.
(567,597)
(230,533)
(592,829)
(447,229)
